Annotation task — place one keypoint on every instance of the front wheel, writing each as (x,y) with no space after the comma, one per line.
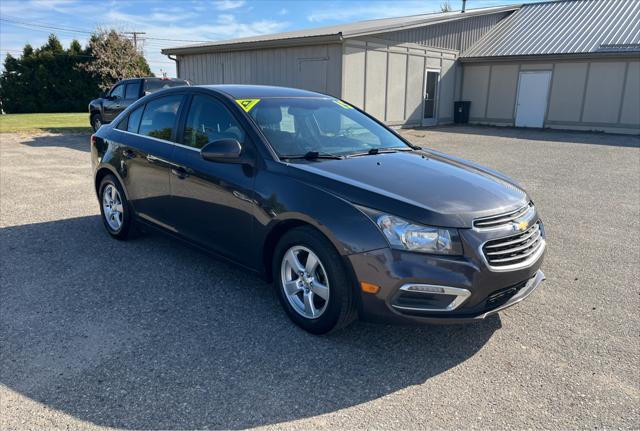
(96,122)
(311,282)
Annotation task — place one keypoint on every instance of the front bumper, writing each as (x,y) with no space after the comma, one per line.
(483,290)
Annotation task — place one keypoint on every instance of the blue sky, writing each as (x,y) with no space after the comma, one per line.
(190,20)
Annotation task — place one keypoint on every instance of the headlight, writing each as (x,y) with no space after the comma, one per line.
(404,235)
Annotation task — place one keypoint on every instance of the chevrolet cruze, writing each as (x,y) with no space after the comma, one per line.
(345,216)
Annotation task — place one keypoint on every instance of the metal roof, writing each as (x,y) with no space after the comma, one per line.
(563,27)
(335,33)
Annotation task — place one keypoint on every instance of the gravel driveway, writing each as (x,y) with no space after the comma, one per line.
(153,334)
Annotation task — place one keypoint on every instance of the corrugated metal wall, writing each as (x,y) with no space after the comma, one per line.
(457,35)
(315,67)
(584,94)
(387,79)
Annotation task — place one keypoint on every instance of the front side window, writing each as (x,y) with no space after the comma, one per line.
(117,92)
(297,126)
(133,91)
(208,120)
(159,117)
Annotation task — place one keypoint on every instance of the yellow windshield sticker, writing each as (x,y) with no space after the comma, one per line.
(247,104)
(343,104)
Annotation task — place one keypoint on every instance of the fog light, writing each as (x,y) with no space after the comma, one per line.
(425,289)
(369,288)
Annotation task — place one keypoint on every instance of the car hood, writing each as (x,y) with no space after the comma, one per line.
(424,186)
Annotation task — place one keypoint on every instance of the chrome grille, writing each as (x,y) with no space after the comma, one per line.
(514,249)
(500,220)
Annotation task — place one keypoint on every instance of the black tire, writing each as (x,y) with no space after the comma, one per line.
(96,122)
(341,309)
(126,229)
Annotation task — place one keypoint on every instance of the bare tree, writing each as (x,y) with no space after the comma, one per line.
(445,6)
(115,58)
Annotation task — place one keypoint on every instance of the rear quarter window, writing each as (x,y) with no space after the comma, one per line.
(133,120)
(159,84)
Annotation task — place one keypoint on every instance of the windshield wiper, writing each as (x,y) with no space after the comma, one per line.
(374,151)
(313,155)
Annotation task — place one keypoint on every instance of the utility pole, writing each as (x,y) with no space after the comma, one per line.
(135,37)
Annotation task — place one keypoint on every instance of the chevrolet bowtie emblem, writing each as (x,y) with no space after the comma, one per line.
(522,225)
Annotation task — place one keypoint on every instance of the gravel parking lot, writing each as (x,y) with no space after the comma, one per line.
(153,334)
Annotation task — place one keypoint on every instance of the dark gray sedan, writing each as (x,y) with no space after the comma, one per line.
(346,217)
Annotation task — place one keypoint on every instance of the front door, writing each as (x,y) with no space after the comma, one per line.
(212,202)
(114,103)
(533,90)
(430,105)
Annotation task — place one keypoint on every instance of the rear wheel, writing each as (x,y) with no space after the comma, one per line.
(96,122)
(115,209)
(311,282)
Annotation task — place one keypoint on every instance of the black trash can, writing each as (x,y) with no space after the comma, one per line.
(461,111)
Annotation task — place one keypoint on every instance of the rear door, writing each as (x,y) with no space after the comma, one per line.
(213,202)
(146,152)
(131,94)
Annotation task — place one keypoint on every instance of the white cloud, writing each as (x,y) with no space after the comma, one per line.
(219,27)
(181,23)
(228,4)
(372,10)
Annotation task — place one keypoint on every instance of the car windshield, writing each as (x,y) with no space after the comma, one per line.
(296,127)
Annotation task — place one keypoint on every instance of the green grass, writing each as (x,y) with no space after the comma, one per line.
(34,123)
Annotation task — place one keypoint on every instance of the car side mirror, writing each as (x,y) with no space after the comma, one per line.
(222,151)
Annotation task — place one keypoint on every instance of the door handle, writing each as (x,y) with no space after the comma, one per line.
(153,159)
(180,172)
(128,154)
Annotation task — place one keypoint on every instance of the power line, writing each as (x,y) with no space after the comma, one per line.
(51,27)
(72,30)
(135,37)
(18,51)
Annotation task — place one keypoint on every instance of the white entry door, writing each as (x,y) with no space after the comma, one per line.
(430,104)
(531,106)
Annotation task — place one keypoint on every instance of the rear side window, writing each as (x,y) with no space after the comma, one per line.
(209,120)
(134,120)
(158,84)
(159,117)
(133,91)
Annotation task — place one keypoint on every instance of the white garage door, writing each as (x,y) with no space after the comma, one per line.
(533,90)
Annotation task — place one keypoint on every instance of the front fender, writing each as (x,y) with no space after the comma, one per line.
(344,225)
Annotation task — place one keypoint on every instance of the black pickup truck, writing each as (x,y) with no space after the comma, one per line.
(123,94)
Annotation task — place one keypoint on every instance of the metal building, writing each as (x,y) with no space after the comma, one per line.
(565,64)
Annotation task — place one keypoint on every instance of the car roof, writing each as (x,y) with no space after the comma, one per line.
(157,78)
(259,91)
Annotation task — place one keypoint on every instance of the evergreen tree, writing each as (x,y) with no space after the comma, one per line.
(52,79)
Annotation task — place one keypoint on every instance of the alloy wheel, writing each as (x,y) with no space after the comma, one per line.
(112,207)
(305,282)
